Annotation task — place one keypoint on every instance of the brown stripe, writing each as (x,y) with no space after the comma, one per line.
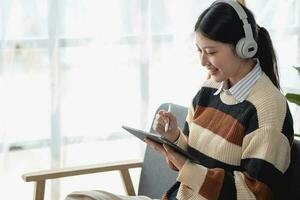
(259,189)
(212,184)
(164,197)
(220,123)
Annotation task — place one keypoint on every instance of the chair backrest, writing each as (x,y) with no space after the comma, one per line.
(293,174)
(156,177)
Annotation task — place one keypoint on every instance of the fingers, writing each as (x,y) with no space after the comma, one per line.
(170,158)
(163,117)
(156,146)
(176,159)
(159,124)
(171,165)
(172,155)
(162,149)
(161,112)
(168,149)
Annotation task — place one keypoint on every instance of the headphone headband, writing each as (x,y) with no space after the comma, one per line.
(246,47)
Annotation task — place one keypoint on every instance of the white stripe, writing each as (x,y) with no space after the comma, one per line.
(245,91)
(242,190)
(268,144)
(187,175)
(207,141)
(241,89)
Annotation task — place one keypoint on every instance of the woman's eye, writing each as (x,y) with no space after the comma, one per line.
(210,53)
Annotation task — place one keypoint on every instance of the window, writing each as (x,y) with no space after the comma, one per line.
(72,72)
(282,20)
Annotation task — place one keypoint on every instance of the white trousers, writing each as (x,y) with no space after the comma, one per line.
(101,195)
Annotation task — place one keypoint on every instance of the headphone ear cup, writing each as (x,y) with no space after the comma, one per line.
(239,47)
(246,49)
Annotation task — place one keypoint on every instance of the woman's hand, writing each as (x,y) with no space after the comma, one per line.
(173,159)
(161,119)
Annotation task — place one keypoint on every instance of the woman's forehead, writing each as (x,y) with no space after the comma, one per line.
(204,42)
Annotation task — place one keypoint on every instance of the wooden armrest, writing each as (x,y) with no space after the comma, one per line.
(41,176)
(74,171)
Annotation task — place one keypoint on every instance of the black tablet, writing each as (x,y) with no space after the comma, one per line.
(142,135)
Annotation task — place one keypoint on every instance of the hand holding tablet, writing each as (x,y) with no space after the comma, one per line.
(142,135)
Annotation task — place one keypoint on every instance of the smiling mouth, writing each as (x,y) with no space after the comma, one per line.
(212,71)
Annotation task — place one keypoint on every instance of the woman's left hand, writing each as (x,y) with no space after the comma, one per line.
(173,159)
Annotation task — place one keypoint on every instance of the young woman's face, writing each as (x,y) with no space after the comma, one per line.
(219,59)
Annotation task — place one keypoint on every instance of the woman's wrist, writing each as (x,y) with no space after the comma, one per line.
(178,136)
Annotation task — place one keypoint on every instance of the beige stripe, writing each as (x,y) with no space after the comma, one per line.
(182,140)
(187,175)
(213,183)
(269,102)
(185,193)
(211,83)
(220,123)
(268,142)
(242,190)
(270,145)
(228,99)
(214,145)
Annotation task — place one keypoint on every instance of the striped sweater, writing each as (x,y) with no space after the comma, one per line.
(244,148)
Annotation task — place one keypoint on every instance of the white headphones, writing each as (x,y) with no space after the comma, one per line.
(246,47)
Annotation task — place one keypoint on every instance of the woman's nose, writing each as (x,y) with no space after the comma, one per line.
(203,59)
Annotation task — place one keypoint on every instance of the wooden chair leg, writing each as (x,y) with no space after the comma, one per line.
(127,182)
(39,190)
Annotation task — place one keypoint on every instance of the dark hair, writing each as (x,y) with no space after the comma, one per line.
(220,22)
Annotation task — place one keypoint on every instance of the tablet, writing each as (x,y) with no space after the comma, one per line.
(142,135)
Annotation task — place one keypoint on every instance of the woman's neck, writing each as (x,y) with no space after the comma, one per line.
(245,67)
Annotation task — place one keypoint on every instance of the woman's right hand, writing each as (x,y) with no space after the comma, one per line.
(161,119)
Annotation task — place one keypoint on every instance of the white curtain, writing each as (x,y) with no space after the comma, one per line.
(72,72)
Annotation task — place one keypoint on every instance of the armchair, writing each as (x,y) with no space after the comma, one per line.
(153,163)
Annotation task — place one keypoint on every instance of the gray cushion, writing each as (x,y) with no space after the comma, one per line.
(156,177)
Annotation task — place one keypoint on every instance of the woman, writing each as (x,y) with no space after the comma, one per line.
(239,126)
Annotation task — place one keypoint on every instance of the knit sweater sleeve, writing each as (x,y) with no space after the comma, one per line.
(263,165)
(259,165)
(182,140)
